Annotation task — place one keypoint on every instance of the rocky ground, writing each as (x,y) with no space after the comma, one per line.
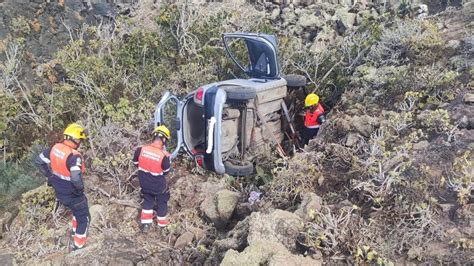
(388,180)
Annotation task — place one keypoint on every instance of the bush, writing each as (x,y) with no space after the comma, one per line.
(20,26)
(438,120)
(291,180)
(14,180)
(406,41)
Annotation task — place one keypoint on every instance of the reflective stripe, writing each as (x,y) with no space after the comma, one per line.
(80,240)
(146,216)
(135,162)
(155,174)
(44,159)
(151,155)
(313,126)
(162,221)
(67,178)
(75,168)
(74,224)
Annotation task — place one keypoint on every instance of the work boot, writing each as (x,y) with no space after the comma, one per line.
(74,248)
(163,221)
(145,228)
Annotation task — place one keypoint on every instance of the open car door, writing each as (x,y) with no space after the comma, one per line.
(255,54)
(168,112)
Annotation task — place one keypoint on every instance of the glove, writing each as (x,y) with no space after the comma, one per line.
(321,119)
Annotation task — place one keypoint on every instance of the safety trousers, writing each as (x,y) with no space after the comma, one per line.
(308,134)
(154,204)
(80,218)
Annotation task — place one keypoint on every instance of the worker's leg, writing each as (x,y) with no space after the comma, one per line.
(162,209)
(308,133)
(80,212)
(162,203)
(147,208)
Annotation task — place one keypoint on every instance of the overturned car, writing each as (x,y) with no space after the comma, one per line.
(223,125)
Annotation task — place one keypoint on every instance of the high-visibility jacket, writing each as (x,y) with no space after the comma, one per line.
(151,158)
(58,156)
(311,118)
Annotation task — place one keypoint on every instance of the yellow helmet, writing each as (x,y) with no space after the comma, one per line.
(311,99)
(75,131)
(162,131)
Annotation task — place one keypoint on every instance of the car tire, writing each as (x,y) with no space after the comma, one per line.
(294,80)
(239,170)
(240,93)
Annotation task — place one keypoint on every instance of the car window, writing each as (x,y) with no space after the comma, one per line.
(255,57)
(237,48)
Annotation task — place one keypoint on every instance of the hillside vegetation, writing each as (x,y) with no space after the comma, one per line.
(388,180)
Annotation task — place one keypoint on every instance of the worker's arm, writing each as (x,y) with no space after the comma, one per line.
(136,155)
(42,161)
(165,165)
(74,163)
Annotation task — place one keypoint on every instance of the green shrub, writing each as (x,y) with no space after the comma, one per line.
(438,120)
(16,179)
(406,41)
(20,26)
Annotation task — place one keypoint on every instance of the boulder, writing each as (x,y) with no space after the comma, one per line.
(279,226)
(275,14)
(226,202)
(352,139)
(288,17)
(311,203)
(266,252)
(7,259)
(235,239)
(345,17)
(453,44)
(219,207)
(422,145)
(208,207)
(184,240)
(310,21)
(364,124)
(468,98)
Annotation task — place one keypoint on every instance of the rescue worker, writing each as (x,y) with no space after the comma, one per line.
(64,167)
(313,118)
(153,163)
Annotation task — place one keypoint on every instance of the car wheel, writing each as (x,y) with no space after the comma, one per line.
(294,80)
(238,170)
(240,93)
